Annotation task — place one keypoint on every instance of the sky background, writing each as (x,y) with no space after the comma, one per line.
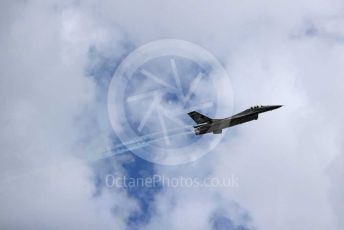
(57,59)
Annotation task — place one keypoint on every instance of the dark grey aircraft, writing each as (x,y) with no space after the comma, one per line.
(208,125)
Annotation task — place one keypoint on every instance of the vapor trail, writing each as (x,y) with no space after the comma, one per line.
(122,148)
(142,142)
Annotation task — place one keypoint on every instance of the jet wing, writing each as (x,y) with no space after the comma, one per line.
(236,120)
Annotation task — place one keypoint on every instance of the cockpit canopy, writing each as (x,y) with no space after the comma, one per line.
(256,107)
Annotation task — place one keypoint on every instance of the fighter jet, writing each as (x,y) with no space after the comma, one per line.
(215,126)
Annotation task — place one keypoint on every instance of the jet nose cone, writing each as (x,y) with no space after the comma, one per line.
(275,107)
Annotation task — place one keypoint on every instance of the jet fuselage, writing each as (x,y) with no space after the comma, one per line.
(208,125)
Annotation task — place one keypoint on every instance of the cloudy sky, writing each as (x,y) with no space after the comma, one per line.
(59,145)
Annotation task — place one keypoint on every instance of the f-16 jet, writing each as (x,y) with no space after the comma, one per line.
(215,126)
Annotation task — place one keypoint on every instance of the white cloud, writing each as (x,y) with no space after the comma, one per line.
(288,162)
(44,90)
(283,158)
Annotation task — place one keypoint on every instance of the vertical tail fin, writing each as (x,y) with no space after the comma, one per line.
(199,118)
